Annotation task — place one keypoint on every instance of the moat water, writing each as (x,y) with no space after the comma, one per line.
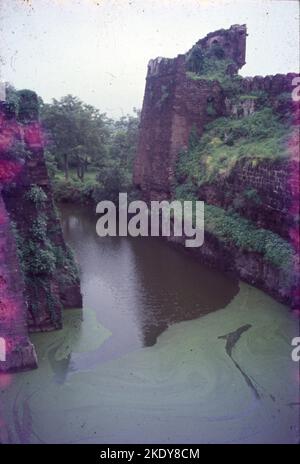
(164,351)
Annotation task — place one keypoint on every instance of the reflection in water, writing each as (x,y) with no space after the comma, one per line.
(226,377)
(59,352)
(139,286)
(61,367)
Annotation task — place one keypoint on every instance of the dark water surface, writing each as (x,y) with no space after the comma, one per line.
(163,351)
(139,286)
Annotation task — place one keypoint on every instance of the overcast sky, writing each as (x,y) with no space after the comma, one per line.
(99,49)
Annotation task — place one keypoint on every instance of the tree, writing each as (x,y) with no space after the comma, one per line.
(77,133)
(115,174)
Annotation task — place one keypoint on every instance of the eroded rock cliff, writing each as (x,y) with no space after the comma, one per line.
(38,274)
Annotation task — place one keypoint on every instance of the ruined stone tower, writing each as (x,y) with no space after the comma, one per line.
(182,96)
(174,104)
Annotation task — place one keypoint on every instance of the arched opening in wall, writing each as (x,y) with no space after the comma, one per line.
(210,106)
(2,349)
(216,49)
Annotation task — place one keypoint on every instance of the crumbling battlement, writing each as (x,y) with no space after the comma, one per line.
(232,41)
(173,104)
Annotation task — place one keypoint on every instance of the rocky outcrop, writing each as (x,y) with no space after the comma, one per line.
(38,275)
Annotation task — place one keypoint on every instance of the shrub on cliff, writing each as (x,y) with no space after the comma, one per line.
(195,60)
(208,64)
(36,195)
(261,135)
(28,105)
(230,227)
(213,69)
(261,124)
(73,191)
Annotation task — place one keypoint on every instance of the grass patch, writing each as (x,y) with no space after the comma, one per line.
(213,69)
(243,233)
(248,97)
(88,177)
(226,141)
(231,228)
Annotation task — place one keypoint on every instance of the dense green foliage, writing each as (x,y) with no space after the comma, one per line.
(212,65)
(209,62)
(28,106)
(23,103)
(89,156)
(94,153)
(115,173)
(74,190)
(37,195)
(245,235)
(231,228)
(258,136)
(262,135)
(39,255)
(213,70)
(77,134)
